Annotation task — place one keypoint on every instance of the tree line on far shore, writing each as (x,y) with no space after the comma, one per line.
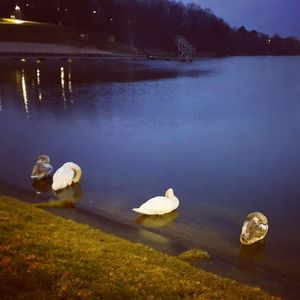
(150,24)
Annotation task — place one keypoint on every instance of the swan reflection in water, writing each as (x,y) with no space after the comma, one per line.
(254,250)
(42,186)
(71,193)
(156,220)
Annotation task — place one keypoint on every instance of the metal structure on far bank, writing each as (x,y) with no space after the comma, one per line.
(185,49)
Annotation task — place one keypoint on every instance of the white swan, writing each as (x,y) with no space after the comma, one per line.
(66,175)
(42,167)
(254,228)
(159,205)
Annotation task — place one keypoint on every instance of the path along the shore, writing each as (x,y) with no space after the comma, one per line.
(48,48)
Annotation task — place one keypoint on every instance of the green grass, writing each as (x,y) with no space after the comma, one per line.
(43,256)
(193,254)
(36,32)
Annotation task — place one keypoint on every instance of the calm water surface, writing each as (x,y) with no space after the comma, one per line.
(224,133)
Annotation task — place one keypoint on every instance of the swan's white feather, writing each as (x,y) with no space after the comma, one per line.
(159,205)
(66,175)
(156,206)
(76,169)
(62,178)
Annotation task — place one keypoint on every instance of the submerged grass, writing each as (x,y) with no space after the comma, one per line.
(43,256)
(193,254)
(55,203)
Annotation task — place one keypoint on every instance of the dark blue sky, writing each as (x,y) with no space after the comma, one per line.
(267,16)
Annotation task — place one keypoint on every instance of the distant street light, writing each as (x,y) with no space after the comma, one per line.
(18,14)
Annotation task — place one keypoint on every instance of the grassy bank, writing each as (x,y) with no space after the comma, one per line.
(43,256)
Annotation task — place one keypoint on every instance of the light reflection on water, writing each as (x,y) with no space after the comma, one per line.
(38,82)
(24,93)
(224,133)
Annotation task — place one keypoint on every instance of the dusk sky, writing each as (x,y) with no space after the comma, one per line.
(267,16)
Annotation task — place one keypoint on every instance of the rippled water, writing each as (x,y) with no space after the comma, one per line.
(224,133)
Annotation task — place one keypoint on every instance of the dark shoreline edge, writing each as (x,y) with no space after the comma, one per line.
(218,265)
(94,219)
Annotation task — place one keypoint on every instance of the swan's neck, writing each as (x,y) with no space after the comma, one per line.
(174,199)
(77,175)
(76,169)
(170,195)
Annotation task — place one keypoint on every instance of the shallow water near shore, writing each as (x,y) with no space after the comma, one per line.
(224,133)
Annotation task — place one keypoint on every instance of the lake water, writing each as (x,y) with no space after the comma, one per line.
(224,133)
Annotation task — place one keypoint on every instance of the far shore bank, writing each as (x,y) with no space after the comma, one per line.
(31,47)
(24,47)
(40,51)
(45,50)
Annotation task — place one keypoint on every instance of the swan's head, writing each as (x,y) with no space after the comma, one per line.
(169,193)
(41,170)
(45,159)
(254,228)
(36,170)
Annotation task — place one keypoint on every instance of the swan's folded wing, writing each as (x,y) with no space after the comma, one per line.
(62,178)
(156,206)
